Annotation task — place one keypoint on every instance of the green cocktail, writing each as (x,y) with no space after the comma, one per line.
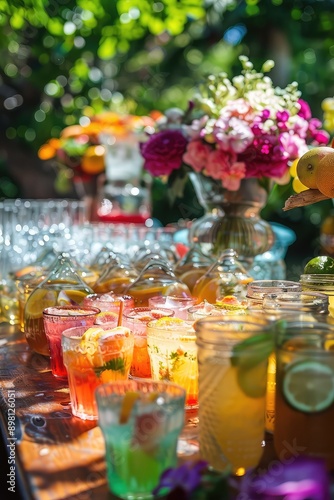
(141,422)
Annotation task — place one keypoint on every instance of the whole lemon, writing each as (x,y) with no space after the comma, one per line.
(324,175)
(308,164)
(320,265)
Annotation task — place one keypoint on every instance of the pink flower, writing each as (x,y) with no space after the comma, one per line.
(196,155)
(232,134)
(163,152)
(293,145)
(223,165)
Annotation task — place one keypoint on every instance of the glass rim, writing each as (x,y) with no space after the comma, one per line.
(133,385)
(88,310)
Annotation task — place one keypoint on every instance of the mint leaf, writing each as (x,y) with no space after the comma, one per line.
(116,364)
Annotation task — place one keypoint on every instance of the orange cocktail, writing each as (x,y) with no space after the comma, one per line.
(94,356)
(137,319)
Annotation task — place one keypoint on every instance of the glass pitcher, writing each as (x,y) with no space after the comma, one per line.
(62,286)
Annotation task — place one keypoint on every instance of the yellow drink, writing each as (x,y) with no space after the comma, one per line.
(233,359)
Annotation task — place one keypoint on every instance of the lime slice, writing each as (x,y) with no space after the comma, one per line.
(320,265)
(252,351)
(253,381)
(308,386)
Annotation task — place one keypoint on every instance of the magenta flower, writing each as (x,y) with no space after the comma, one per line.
(303,478)
(163,152)
(305,111)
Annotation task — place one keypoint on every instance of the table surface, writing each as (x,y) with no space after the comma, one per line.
(57,456)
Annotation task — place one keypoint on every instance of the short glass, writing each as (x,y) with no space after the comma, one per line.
(305,391)
(172,350)
(322,283)
(92,357)
(257,290)
(179,305)
(137,319)
(56,320)
(108,302)
(140,422)
(279,304)
(233,356)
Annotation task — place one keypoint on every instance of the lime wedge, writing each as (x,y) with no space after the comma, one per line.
(308,386)
(252,351)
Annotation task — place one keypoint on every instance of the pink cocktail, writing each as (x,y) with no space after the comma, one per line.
(179,305)
(108,302)
(56,320)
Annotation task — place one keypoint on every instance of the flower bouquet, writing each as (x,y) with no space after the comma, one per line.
(79,153)
(237,138)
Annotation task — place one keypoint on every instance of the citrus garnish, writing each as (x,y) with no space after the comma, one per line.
(127,404)
(38,301)
(252,351)
(308,386)
(105,317)
(166,321)
(231,303)
(322,264)
(253,381)
(190,277)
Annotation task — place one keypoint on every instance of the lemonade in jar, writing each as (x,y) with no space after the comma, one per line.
(233,358)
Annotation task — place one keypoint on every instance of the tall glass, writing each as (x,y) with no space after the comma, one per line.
(60,318)
(140,422)
(172,349)
(137,319)
(233,358)
(305,391)
(92,357)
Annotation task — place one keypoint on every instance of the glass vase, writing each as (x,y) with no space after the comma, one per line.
(232,218)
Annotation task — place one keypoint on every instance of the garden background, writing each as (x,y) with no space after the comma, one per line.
(63,59)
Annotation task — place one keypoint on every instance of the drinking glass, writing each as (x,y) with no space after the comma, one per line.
(305,391)
(93,356)
(173,354)
(140,422)
(137,319)
(258,289)
(233,357)
(179,305)
(56,320)
(108,302)
(322,283)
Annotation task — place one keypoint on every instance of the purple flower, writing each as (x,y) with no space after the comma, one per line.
(186,477)
(303,478)
(163,152)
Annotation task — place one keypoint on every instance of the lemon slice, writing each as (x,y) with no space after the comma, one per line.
(308,386)
(71,297)
(38,301)
(127,404)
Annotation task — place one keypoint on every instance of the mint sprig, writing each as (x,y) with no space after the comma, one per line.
(116,364)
